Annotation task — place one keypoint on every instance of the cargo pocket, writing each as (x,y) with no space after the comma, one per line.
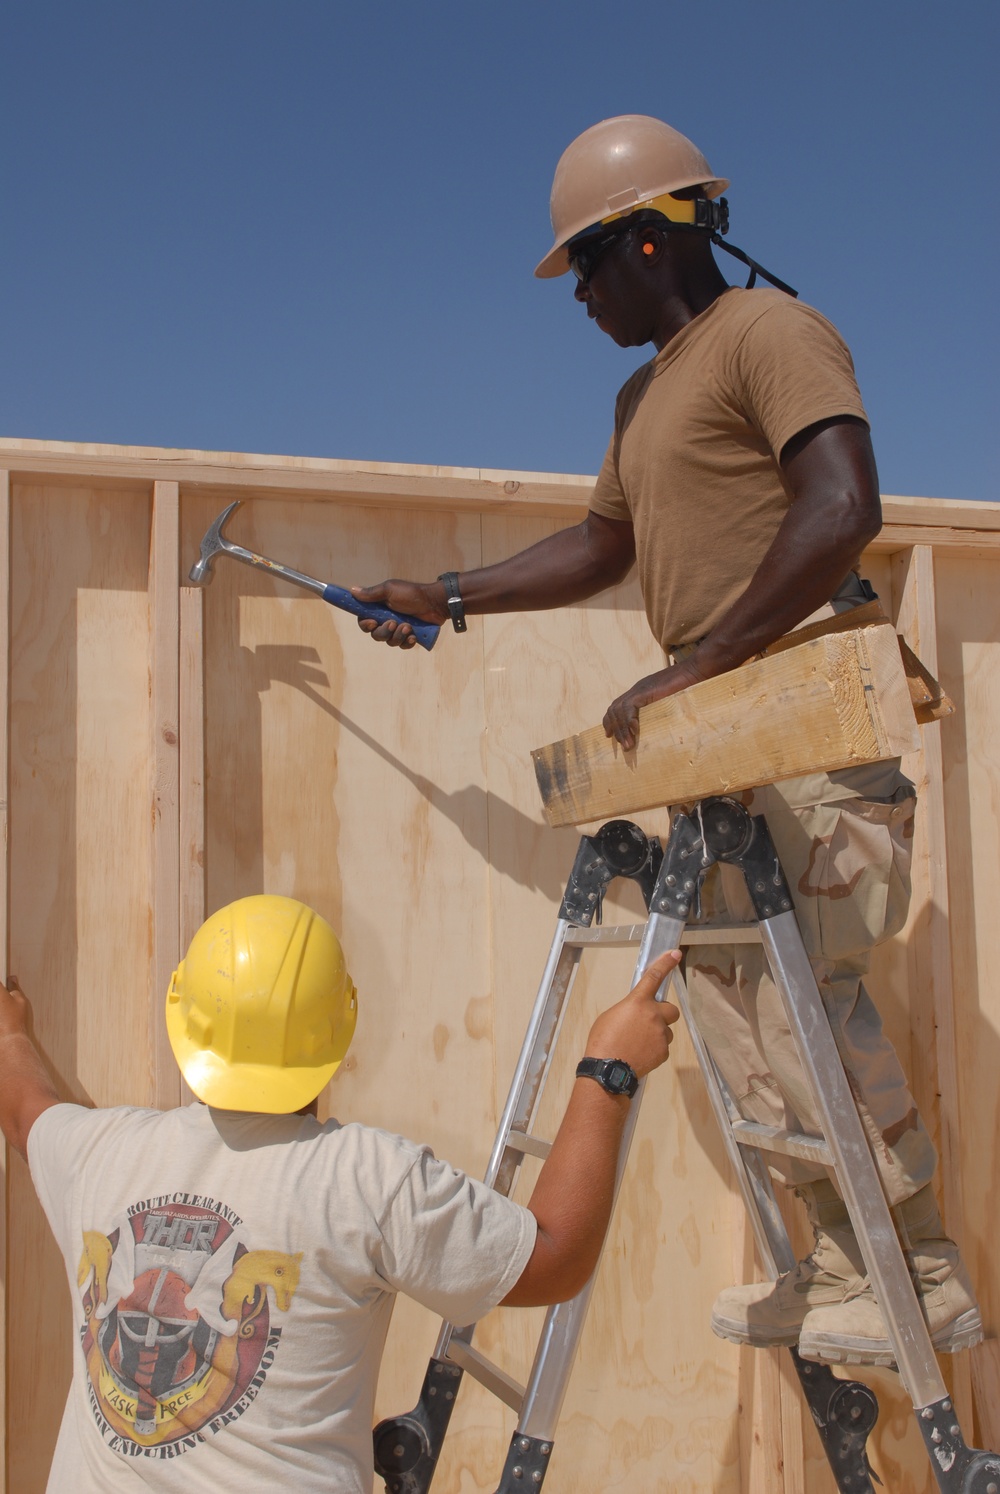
(855,889)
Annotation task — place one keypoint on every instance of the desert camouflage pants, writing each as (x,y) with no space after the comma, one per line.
(844,841)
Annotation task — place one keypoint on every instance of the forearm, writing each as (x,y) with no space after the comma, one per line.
(573,1197)
(563,568)
(25,1088)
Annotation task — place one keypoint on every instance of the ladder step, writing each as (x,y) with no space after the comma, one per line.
(496,1380)
(631,933)
(609,934)
(532,1146)
(730,933)
(788,1143)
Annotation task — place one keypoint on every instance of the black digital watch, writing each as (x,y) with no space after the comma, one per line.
(612,1074)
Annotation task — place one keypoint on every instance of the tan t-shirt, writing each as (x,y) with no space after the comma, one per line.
(693,462)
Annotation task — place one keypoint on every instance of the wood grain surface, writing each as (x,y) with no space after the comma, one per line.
(394,791)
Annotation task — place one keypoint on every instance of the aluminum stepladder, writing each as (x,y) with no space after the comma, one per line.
(718,830)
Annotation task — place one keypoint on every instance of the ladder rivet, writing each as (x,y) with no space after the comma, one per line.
(946,1405)
(398,1450)
(927,1413)
(855,1412)
(671,880)
(993,1489)
(546,1448)
(523,1444)
(956,1431)
(433,1390)
(536,1477)
(518,1472)
(449,1395)
(688,885)
(935,1435)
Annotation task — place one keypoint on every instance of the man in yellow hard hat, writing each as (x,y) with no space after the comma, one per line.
(233,1263)
(740,480)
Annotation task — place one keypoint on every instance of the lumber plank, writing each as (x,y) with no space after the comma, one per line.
(928,696)
(986,1387)
(191,769)
(930,951)
(833,702)
(164,562)
(4,916)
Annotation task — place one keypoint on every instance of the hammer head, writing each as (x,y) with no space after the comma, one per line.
(201,572)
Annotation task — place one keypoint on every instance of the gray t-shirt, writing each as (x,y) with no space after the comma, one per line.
(232,1279)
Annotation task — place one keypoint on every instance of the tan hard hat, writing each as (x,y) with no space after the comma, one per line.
(615,167)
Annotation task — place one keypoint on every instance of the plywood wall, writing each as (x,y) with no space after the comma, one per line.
(170,750)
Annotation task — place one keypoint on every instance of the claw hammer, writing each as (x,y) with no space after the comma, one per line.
(215,544)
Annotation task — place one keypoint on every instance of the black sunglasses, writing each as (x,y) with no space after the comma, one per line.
(583,257)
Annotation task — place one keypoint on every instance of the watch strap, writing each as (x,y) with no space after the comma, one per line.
(612,1074)
(453,596)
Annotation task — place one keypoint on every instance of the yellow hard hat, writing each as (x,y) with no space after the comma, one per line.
(629,162)
(261,1010)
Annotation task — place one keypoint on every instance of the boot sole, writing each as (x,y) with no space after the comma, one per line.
(739,1333)
(964,1333)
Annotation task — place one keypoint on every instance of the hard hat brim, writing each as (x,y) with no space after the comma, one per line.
(245,1086)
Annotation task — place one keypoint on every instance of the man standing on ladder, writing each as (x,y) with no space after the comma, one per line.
(740,479)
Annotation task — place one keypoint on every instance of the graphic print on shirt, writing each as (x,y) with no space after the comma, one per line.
(178,1336)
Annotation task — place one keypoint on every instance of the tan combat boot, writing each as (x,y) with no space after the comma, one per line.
(772,1312)
(854,1333)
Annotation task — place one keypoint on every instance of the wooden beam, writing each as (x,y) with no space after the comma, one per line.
(408,485)
(927,696)
(986,1384)
(929,951)
(833,702)
(5,672)
(164,566)
(192,763)
(192,773)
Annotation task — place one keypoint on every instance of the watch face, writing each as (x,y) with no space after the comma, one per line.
(618,1076)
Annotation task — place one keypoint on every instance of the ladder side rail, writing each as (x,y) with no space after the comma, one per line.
(526,1086)
(536,1051)
(553,1362)
(855,1165)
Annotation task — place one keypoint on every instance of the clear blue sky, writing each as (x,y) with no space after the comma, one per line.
(307,226)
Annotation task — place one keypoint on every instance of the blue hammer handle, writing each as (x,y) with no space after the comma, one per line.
(425,633)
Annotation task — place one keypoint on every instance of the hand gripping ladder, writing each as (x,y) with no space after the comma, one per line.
(718,830)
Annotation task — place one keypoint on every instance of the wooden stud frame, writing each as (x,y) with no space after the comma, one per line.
(277,750)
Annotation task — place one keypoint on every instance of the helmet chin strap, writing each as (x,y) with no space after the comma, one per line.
(712,217)
(755,268)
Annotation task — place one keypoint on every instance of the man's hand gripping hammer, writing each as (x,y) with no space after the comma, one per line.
(215,544)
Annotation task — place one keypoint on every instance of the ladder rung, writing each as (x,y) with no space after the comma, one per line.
(730,933)
(788,1143)
(612,935)
(534,1146)
(496,1380)
(622,933)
